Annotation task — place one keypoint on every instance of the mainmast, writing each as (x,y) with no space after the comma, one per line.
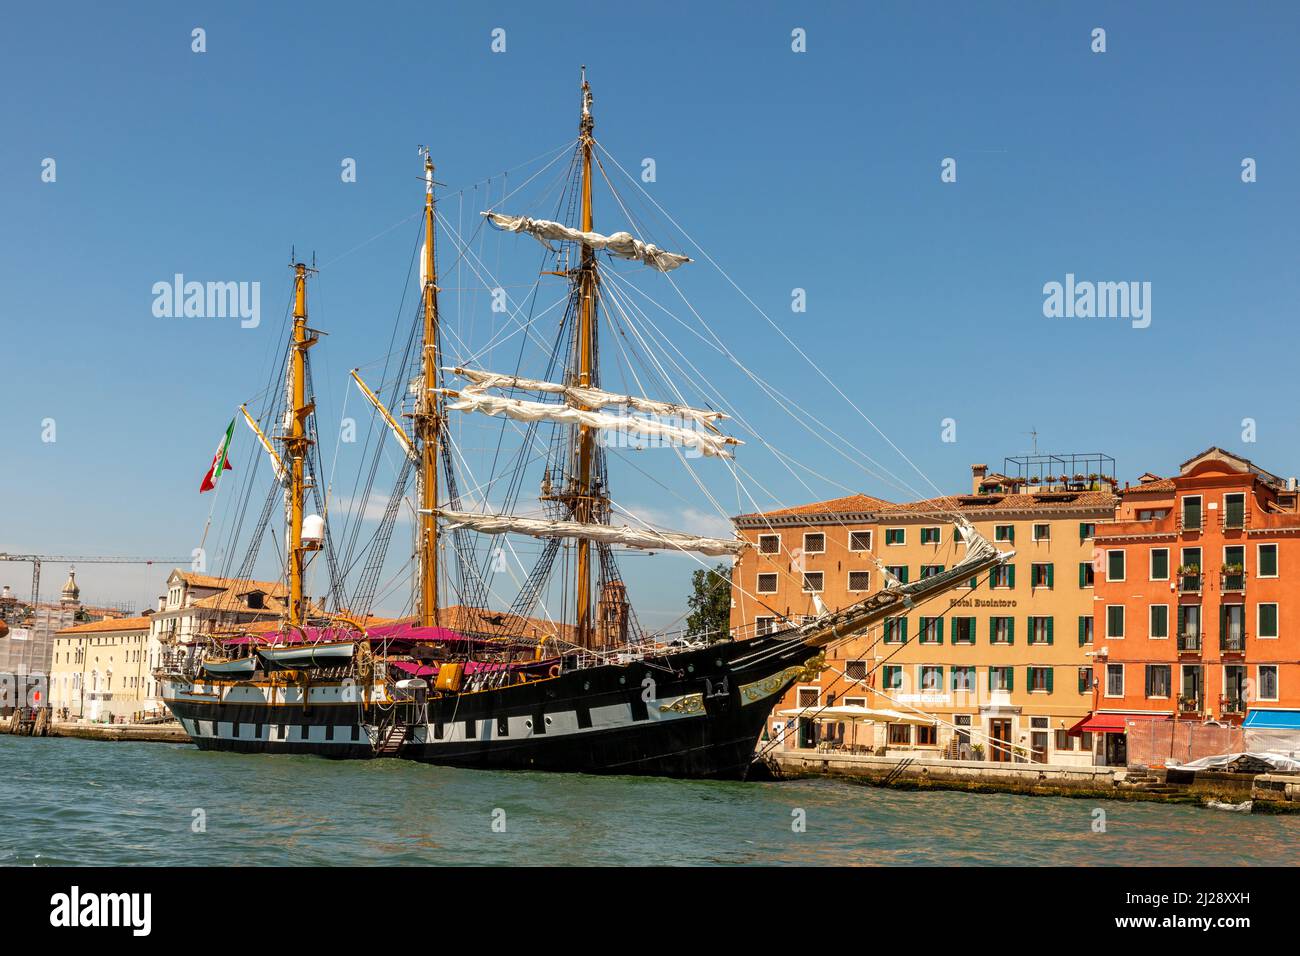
(585,495)
(428,421)
(296,443)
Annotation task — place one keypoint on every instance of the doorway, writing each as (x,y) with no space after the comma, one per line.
(1116,750)
(1000,744)
(807,733)
(1038,746)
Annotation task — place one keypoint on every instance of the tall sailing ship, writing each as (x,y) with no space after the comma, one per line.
(460,683)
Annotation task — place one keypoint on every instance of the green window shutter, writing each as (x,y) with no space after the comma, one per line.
(1083,631)
(1083,681)
(991,672)
(1049,629)
(1160,563)
(1267,620)
(1011,679)
(903,576)
(972,630)
(1011,575)
(1011,630)
(974,582)
(938,629)
(1050,672)
(940,686)
(1051,576)
(1083,574)
(903,629)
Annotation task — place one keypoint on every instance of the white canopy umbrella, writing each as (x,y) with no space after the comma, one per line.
(856,712)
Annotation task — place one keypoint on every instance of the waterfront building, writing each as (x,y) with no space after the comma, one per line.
(1197,605)
(100,670)
(999,670)
(27,646)
(27,640)
(802,555)
(198,604)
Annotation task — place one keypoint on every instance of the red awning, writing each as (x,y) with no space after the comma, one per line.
(1109,723)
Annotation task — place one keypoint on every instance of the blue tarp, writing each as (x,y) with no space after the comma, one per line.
(1272,720)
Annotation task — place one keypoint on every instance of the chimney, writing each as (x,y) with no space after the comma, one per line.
(977,473)
(162,602)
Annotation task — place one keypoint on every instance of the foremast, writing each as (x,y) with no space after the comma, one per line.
(296,445)
(586,498)
(428,421)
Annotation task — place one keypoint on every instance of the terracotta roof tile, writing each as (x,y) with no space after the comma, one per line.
(1160,484)
(973,504)
(111,624)
(230,601)
(240,586)
(849,504)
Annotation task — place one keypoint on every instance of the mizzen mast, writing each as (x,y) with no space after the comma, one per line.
(428,420)
(585,495)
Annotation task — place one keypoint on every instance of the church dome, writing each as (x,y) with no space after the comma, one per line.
(70,590)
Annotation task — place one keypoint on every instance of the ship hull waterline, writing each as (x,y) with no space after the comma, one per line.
(698,713)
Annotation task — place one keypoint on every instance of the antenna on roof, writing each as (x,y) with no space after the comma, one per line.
(1033,433)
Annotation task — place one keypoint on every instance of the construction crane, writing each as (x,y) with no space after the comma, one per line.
(36,560)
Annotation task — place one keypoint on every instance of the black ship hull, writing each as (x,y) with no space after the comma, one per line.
(695,713)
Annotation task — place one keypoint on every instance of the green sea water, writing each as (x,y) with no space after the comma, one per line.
(91,803)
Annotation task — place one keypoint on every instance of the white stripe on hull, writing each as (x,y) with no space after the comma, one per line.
(486,730)
(272,733)
(273,695)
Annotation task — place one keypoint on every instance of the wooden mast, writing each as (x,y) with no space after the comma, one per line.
(584,500)
(428,421)
(296,444)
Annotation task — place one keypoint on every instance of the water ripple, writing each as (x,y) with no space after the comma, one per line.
(89,803)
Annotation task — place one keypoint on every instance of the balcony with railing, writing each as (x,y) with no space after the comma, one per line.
(1190,583)
(1189,642)
(1234,705)
(1191,520)
(1232,640)
(1190,704)
(1232,579)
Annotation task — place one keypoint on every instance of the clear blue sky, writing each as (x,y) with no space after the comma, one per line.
(817,170)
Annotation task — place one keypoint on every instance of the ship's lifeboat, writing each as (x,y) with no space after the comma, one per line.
(236,667)
(307,655)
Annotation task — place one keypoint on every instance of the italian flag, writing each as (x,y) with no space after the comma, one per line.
(220,463)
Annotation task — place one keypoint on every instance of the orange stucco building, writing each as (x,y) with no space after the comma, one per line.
(999,669)
(1197,602)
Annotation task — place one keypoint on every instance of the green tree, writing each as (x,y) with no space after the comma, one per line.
(710,604)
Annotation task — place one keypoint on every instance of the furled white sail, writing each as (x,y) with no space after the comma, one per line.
(609,534)
(621,244)
(593,398)
(706,443)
